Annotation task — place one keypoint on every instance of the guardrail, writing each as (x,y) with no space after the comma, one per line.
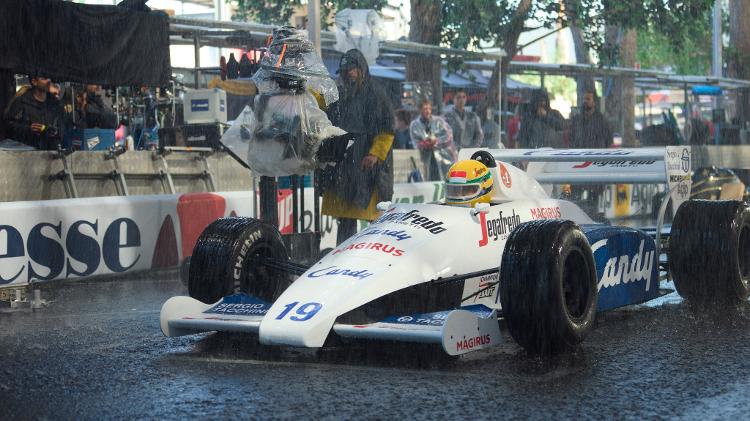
(43,175)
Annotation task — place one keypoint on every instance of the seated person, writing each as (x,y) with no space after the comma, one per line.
(468,182)
(34,116)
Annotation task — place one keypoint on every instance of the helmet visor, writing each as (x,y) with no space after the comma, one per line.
(462,192)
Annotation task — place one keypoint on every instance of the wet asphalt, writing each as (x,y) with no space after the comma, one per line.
(96,352)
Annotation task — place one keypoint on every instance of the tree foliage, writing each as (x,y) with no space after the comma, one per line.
(268,12)
(329,8)
(472,23)
(673,20)
(279,12)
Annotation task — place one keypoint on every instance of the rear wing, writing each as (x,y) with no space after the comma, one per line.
(670,165)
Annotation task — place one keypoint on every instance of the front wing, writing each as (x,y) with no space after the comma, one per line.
(458,331)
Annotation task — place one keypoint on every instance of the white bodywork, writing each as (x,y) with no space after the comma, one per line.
(409,244)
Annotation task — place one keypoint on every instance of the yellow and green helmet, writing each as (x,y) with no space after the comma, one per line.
(468,182)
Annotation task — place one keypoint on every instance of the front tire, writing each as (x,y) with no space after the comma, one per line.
(548,286)
(225,261)
(709,252)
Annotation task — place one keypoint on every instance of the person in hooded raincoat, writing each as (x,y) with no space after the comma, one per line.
(541,126)
(365,176)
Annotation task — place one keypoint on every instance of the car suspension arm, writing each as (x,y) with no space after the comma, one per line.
(282,265)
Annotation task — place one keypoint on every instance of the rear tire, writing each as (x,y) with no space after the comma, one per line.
(709,252)
(224,261)
(548,285)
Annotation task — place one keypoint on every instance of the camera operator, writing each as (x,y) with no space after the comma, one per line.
(34,116)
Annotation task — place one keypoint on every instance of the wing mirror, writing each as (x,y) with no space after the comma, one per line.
(480,208)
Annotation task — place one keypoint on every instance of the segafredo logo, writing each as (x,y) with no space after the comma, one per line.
(337,271)
(626,269)
(498,227)
(412,218)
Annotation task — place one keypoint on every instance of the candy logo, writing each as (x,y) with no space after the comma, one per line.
(624,269)
(336,271)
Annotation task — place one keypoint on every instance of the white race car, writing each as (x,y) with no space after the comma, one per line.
(435,273)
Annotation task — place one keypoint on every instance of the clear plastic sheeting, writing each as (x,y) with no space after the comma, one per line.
(237,137)
(283,135)
(290,55)
(361,29)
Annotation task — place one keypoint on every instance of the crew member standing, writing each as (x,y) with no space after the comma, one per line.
(34,116)
(365,176)
(541,126)
(465,124)
(432,135)
(589,129)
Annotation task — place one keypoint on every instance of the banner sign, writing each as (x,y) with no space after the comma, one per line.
(73,238)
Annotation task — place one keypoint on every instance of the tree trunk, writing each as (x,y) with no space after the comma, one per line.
(425,28)
(612,89)
(739,59)
(583,82)
(627,59)
(620,94)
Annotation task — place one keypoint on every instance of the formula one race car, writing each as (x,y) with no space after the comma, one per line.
(443,274)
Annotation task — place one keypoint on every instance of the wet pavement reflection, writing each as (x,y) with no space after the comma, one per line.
(96,352)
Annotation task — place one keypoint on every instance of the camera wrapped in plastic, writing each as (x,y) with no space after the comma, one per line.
(287,133)
(290,55)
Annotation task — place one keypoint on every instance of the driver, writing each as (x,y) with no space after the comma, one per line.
(469,182)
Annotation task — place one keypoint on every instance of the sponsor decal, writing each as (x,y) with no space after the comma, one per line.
(238,263)
(626,269)
(199,105)
(246,309)
(385,248)
(499,227)
(398,235)
(412,218)
(505,176)
(677,161)
(685,160)
(47,248)
(487,286)
(429,319)
(682,190)
(337,271)
(546,213)
(581,153)
(613,164)
(457,176)
(473,342)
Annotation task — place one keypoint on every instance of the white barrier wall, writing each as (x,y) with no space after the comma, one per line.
(70,238)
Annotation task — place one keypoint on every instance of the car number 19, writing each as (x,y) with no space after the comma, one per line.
(304,311)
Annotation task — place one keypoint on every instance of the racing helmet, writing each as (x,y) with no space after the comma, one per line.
(468,182)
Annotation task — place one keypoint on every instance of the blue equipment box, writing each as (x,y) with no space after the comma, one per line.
(89,139)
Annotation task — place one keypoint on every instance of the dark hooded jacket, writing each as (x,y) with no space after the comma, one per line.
(24,110)
(365,111)
(540,131)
